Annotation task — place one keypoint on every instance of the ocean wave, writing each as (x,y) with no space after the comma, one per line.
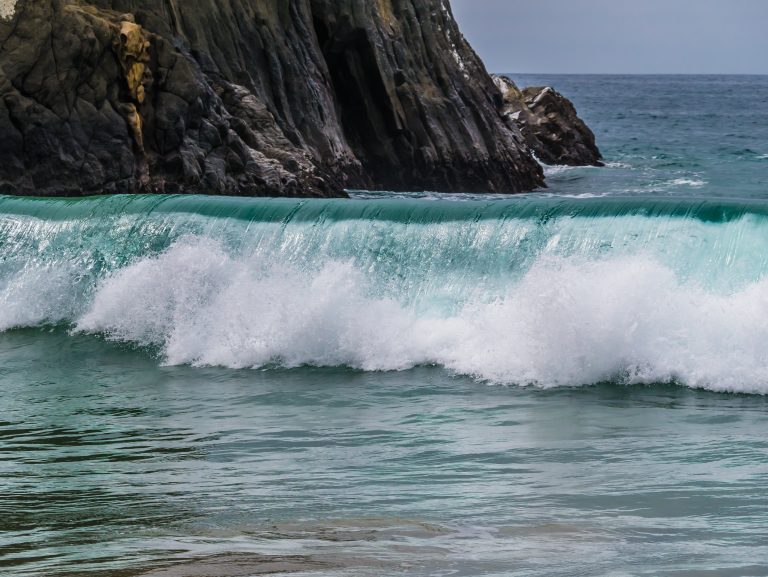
(538,291)
(692,182)
(566,323)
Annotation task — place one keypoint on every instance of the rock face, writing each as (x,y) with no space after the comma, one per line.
(248,97)
(549,124)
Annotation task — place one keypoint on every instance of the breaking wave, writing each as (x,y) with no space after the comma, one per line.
(530,291)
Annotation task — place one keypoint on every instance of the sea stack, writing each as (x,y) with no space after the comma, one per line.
(248,97)
(549,124)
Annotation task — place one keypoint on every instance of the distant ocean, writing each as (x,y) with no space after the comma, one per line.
(569,382)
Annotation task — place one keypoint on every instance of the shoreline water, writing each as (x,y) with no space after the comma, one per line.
(351,472)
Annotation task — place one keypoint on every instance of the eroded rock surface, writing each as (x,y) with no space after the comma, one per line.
(549,124)
(248,97)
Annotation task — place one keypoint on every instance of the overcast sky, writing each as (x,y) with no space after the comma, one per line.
(618,36)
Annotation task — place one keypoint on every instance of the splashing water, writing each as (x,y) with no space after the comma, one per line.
(544,291)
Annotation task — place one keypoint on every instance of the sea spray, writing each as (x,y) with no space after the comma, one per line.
(534,291)
(565,323)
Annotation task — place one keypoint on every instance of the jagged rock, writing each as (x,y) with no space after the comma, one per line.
(549,124)
(248,97)
(92,101)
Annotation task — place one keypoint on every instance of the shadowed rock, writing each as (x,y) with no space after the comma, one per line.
(248,97)
(549,124)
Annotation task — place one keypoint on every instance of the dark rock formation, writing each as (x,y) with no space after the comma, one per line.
(549,124)
(248,97)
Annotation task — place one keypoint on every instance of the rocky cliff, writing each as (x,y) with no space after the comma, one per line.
(248,97)
(549,124)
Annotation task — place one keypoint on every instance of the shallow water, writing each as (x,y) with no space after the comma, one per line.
(565,383)
(112,461)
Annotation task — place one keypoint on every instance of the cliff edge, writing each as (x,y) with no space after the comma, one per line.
(248,97)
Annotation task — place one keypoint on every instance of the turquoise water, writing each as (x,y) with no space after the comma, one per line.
(570,382)
(670,135)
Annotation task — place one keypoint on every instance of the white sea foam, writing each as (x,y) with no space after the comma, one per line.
(555,169)
(37,295)
(693,183)
(567,322)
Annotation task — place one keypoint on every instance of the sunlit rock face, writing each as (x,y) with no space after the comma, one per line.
(248,97)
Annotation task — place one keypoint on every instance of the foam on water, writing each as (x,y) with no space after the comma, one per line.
(537,291)
(567,322)
(694,183)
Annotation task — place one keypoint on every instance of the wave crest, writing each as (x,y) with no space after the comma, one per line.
(567,322)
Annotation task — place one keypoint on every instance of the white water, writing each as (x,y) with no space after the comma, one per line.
(544,298)
(567,322)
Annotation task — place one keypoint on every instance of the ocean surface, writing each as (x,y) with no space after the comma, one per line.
(565,383)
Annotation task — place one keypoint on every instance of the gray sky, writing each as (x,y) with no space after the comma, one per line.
(618,36)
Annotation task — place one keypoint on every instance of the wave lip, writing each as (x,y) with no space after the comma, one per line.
(537,291)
